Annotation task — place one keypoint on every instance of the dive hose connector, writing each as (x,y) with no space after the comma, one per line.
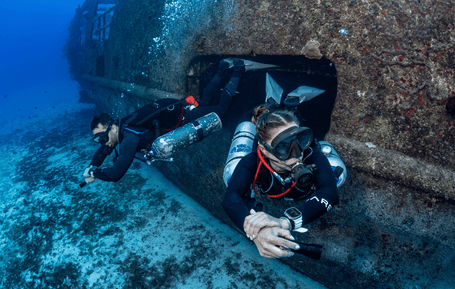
(280,179)
(149,157)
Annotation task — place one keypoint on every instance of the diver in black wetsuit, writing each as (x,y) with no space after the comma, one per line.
(130,139)
(280,170)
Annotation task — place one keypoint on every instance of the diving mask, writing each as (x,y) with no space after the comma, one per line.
(292,139)
(102,137)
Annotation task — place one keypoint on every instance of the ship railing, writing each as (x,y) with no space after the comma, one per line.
(102,23)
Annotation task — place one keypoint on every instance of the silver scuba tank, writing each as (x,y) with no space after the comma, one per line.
(180,138)
(335,161)
(241,145)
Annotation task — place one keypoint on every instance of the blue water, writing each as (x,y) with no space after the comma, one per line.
(34,75)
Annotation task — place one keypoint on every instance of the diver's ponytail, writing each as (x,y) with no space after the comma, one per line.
(258,112)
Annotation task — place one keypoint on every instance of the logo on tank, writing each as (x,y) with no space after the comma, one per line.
(241,148)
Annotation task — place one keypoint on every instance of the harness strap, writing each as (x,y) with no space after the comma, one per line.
(153,114)
(178,124)
(199,130)
(262,161)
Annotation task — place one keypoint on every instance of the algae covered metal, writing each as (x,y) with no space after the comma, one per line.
(387,71)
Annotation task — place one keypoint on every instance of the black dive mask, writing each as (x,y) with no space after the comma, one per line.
(102,137)
(290,143)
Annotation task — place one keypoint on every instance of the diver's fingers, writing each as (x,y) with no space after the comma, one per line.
(286,253)
(251,218)
(254,223)
(250,222)
(266,249)
(278,252)
(270,245)
(87,173)
(285,234)
(286,239)
(265,221)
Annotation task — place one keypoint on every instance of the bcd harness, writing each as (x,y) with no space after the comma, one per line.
(162,116)
(165,111)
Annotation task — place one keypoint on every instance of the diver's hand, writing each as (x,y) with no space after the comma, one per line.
(273,243)
(86,173)
(256,221)
(87,177)
(89,180)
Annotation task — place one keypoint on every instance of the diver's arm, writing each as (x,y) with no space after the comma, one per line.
(98,159)
(100,155)
(127,151)
(326,195)
(269,240)
(239,185)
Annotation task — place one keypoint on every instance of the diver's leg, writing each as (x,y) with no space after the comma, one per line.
(225,99)
(231,87)
(211,89)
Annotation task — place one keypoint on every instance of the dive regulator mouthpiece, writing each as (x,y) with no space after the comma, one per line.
(302,175)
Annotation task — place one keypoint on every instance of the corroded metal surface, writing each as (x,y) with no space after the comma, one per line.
(394,63)
(395,166)
(138,91)
(394,60)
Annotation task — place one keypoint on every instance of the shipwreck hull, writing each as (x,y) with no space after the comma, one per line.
(388,68)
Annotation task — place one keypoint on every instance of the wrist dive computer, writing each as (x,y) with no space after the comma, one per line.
(295,217)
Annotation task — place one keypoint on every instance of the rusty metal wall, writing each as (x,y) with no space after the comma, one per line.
(394,63)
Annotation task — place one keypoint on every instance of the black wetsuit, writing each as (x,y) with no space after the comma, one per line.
(207,96)
(237,203)
(134,139)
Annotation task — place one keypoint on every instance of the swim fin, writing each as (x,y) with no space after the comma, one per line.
(250,65)
(272,90)
(301,94)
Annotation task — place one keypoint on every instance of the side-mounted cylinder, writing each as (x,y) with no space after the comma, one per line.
(182,137)
(335,161)
(241,145)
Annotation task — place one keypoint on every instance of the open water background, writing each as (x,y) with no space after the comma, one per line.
(34,78)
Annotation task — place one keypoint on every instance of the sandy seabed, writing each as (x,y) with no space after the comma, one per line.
(142,232)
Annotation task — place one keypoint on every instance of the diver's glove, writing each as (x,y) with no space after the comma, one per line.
(224,65)
(239,67)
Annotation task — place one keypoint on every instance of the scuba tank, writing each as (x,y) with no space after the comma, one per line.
(241,145)
(335,161)
(180,138)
